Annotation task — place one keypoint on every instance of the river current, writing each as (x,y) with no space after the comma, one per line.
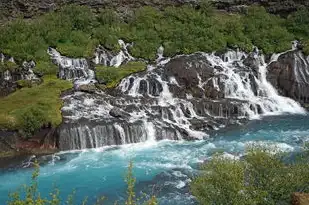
(163,168)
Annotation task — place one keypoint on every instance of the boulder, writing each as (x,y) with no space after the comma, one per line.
(118,113)
(88,88)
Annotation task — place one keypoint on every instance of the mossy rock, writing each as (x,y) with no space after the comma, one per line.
(113,75)
(89,88)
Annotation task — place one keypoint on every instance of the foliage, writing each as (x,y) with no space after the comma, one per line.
(45,68)
(31,119)
(260,178)
(306,47)
(113,75)
(130,180)
(8,66)
(76,30)
(24,108)
(26,83)
(29,194)
(298,23)
(266,31)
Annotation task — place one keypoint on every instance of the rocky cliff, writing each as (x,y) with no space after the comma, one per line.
(29,8)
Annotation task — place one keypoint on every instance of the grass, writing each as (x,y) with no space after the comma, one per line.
(44,97)
(112,75)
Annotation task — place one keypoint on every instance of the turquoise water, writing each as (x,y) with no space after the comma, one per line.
(161,168)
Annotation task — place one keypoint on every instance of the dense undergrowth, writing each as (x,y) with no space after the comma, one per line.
(76,30)
(259,178)
(28,109)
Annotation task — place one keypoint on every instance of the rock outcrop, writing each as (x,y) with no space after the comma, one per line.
(11,73)
(44,141)
(185,97)
(290,75)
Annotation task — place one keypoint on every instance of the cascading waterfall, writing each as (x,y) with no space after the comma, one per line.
(107,58)
(71,69)
(177,98)
(260,95)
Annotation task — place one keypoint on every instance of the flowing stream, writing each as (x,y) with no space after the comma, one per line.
(162,168)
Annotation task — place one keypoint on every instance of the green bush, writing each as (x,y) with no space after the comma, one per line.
(306,47)
(45,68)
(259,178)
(112,75)
(266,31)
(8,66)
(77,30)
(298,22)
(31,119)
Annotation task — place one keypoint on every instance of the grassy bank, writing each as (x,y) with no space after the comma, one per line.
(30,108)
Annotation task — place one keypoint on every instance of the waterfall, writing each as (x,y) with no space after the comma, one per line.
(264,98)
(184,97)
(72,68)
(108,58)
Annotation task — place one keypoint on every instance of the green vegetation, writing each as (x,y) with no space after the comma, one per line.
(29,194)
(45,68)
(112,75)
(8,66)
(29,108)
(76,30)
(259,178)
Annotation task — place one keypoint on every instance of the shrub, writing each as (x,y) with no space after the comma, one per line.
(298,22)
(31,119)
(8,66)
(45,68)
(306,47)
(77,30)
(266,31)
(260,178)
(112,75)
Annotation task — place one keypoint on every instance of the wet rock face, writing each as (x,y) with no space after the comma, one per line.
(185,97)
(290,75)
(10,73)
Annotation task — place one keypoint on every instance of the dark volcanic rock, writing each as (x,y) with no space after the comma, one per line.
(290,75)
(29,8)
(11,73)
(118,113)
